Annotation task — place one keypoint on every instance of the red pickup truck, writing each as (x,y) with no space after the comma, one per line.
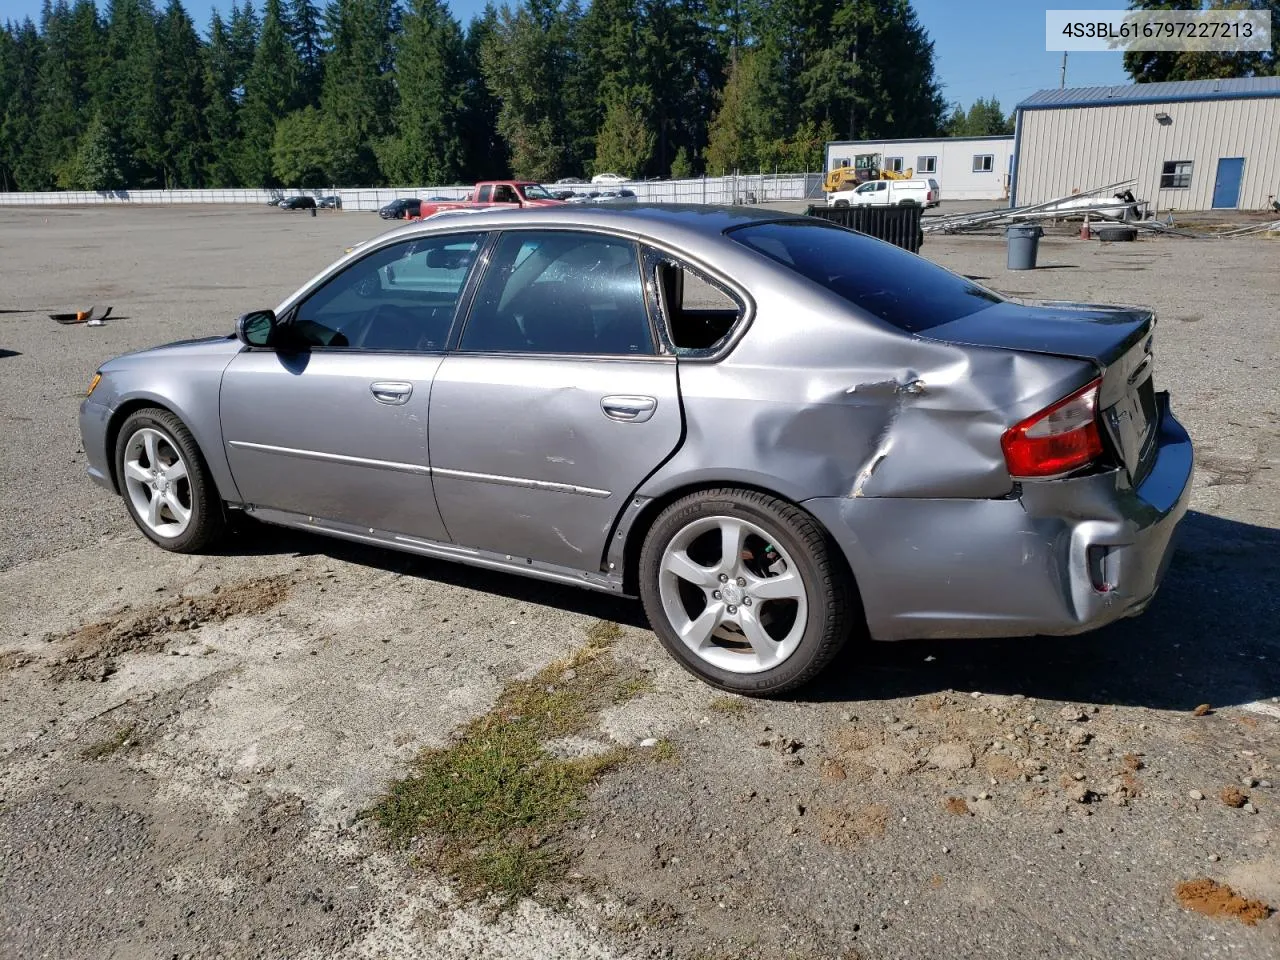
(494,193)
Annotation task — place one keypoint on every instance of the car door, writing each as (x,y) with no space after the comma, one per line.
(556,404)
(332,424)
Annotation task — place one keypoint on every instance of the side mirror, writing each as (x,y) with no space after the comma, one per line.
(257,328)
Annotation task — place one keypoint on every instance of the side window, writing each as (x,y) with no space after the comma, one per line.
(399,298)
(560,292)
(700,313)
(485,195)
(503,193)
(882,185)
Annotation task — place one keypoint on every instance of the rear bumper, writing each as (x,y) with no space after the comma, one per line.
(1063,557)
(94,418)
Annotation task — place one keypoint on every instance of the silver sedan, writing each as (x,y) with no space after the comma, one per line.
(779,433)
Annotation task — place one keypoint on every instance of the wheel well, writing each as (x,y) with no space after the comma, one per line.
(644,521)
(122,413)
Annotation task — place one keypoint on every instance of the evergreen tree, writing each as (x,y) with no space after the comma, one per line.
(20,155)
(524,60)
(427,145)
(748,117)
(181,76)
(96,164)
(301,149)
(130,100)
(358,94)
(625,142)
(984,119)
(308,48)
(64,87)
(484,152)
(1150,67)
(242,41)
(682,69)
(220,112)
(270,91)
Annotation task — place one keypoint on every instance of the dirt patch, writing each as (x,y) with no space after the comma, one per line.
(956,806)
(1133,761)
(1215,899)
(1233,797)
(14,659)
(490,809)
(849,827)
(91,649)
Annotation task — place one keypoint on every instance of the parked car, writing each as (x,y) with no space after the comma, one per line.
(490,193)
(274,201)
(299,202)
(612,179)
(403,209)
(884,193)
(331,203)
(934,199)
(798,434)
(569,180)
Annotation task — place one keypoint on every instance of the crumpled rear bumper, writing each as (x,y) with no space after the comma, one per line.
(1062,557)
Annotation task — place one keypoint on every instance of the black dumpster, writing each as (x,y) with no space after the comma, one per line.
(897,225)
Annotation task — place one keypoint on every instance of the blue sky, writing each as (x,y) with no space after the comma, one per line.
(983,47)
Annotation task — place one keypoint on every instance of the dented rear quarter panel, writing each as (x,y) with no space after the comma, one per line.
(821,400)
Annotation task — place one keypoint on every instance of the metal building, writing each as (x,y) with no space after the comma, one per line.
(966,168)
(1192,145)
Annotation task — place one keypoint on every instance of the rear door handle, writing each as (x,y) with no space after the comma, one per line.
(393,392)
(629,409)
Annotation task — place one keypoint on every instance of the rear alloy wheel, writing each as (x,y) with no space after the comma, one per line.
(165,483)
(746,591)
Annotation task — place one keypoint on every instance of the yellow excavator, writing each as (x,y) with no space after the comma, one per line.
(866,166)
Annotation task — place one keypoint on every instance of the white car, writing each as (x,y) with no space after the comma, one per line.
(888,193)
(612,179)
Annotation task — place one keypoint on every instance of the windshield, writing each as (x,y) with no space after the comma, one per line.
(900,288)
(533,191)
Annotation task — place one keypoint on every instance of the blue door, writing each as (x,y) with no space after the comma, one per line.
(1226,189)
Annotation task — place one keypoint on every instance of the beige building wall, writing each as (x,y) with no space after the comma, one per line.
(1078,148)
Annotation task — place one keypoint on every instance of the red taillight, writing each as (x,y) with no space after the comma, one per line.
(928,196)
(1058,439)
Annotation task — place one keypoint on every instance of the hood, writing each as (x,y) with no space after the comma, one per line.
(226,345)
(1087,331)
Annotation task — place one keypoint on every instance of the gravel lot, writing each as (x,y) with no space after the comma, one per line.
(188,742)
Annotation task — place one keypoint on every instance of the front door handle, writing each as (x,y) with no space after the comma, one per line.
(394,392)
(629,409)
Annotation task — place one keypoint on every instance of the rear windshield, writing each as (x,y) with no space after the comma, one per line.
(900,288)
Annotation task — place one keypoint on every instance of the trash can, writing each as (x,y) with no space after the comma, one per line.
(1024,242)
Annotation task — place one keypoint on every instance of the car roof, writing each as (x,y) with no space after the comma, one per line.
(675,222)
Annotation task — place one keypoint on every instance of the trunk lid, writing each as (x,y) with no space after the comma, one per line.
(1117,340)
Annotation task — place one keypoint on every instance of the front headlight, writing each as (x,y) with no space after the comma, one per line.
(93,385)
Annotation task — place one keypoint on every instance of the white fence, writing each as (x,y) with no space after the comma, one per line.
(758,188)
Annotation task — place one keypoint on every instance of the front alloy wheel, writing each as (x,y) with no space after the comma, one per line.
(165,482)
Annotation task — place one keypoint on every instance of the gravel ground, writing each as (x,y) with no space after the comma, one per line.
(188,742)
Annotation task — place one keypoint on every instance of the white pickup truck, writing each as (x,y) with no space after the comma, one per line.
(923,192)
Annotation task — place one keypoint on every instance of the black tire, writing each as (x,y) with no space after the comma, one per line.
(1116,234)
(834,610)
(841,204)
(208,521)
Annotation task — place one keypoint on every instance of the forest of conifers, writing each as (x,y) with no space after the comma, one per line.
(368,92)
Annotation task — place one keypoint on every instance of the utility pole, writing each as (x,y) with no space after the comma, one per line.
(1062,80)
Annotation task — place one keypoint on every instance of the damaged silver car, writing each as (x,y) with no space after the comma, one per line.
(778,433)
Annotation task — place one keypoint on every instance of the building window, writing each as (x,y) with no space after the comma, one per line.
(1175,175)
(893,163)
(984,162)
(926,164)
(840,162)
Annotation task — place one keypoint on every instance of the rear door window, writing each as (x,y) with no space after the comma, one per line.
(700,313)
(887,282)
